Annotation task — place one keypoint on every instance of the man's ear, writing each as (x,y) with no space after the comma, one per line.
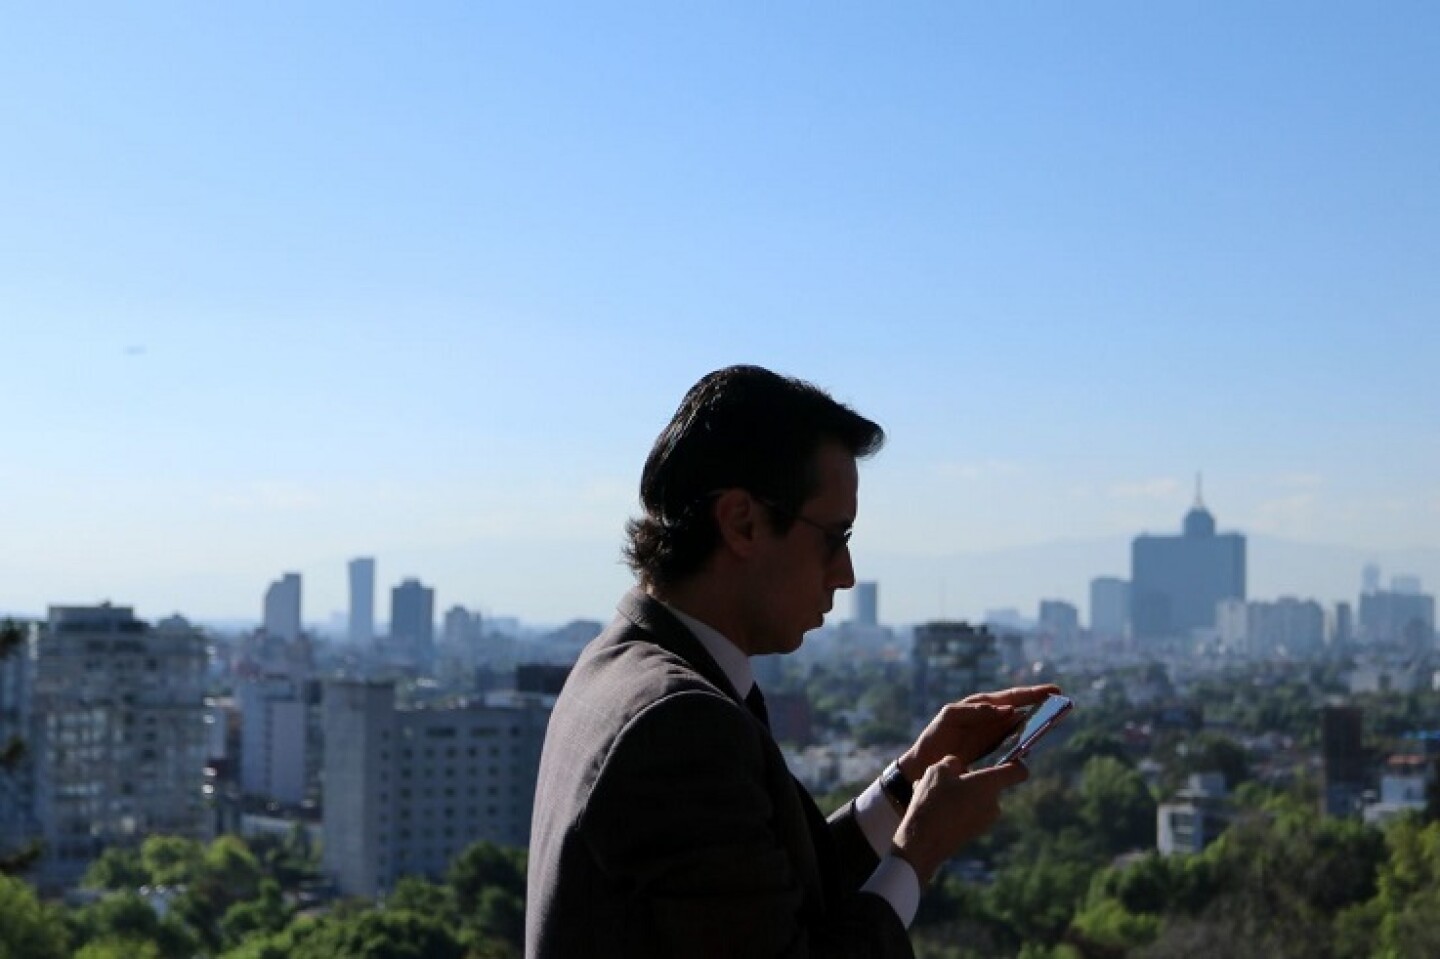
(737,517)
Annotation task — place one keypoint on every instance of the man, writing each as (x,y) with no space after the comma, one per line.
(666,822)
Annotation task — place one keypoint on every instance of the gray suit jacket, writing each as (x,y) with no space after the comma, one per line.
(667,824)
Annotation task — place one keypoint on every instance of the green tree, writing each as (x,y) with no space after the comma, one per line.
(171,860)
(117,868)
(29,929)
(368,935)
(125,916)
(269,913)
(1116,806)
(489,885)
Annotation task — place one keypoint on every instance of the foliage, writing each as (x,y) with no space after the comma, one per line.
(117,868)
(488,881)
(28,929)
(126,917)
(370,935)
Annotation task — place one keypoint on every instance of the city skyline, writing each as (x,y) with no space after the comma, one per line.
(283,289)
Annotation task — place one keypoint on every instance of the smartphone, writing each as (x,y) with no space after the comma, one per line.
(1036,724)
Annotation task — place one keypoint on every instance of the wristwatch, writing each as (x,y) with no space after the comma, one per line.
(896,787)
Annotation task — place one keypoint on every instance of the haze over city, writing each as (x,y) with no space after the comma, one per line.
(279,288)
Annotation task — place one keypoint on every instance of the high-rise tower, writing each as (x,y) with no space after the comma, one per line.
(1177,581)
(362,599)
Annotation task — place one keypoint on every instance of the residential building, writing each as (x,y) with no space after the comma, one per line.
(1059,620)
(951,660)
(407,790)
(280,739)
(1109,607)
(282,608)
(119,734)
(18,823)
(1393,617)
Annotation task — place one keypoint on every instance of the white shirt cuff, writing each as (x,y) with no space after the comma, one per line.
(893,880)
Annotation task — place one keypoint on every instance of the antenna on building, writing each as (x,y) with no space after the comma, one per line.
(1199,490)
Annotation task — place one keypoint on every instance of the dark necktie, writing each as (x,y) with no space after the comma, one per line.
(755,702)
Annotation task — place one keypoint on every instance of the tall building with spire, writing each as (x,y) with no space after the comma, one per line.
(1177,581)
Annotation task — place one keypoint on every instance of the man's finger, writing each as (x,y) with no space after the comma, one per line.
(1003,776)
(1019,696)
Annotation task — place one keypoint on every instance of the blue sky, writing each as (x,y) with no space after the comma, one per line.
(281,285)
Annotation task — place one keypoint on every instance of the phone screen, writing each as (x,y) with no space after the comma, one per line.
(1037,723)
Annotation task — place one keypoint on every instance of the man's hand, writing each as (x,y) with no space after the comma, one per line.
(970,728)
(950,808)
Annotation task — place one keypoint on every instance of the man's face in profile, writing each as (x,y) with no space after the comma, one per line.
(795,573)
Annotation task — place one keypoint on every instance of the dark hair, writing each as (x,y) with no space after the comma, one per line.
(744,427)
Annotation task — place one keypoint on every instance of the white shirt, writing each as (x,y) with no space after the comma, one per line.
(894,880)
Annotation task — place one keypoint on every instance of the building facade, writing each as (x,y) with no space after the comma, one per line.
(119,734)
(282,608)
(407,790)
(1391,617)
(1109,607)
(951,661)
(361,625)
(280,739)
(865,604)
(412,620)
(18,823)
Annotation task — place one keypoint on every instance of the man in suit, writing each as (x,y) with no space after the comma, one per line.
(666,822)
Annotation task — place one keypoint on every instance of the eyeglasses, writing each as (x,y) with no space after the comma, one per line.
(836,539)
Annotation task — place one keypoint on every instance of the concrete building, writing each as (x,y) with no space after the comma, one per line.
(1391,617)
(1344,632)
(1109,607)
(951,660)
(119,734)
(1285,627)
(1289,627)
(18,823)
(865,604)
(1177,581)
(407,790)
(412,620)
(1195,818)
(1059,620)
(282,608)
(280,739)
(1344,771)
(362,600)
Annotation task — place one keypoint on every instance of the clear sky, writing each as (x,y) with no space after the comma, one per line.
(283,284)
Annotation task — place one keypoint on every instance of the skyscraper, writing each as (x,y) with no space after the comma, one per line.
(866,604)
(282,608)
(412,618)
(1109,607)
(362,599)
(1176,581)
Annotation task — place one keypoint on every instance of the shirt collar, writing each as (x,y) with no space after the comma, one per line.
(730,658)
